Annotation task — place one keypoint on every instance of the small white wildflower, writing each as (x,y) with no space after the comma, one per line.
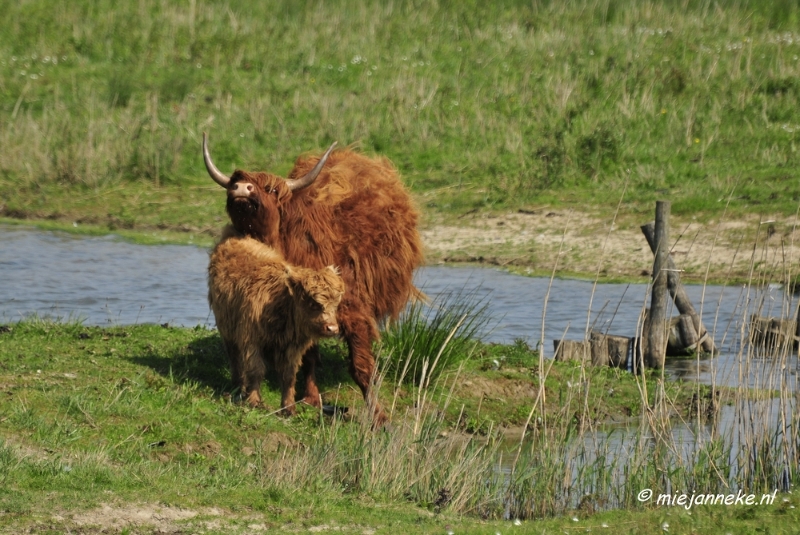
(369,73)
(665,526)
(517,522)
(34,76)
(199,65)
(574,518)
(604,525)
(374,67)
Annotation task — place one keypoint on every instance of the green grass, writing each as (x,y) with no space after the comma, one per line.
(481,105)
(141,417)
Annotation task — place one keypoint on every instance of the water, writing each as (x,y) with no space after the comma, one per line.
(107,281)
(102,280)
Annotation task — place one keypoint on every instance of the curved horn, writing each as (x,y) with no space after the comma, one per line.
(308,178)
(215,173)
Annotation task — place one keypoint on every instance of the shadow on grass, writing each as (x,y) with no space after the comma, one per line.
(204,362)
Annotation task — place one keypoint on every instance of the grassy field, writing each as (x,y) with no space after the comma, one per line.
(482,105)
(485,108)
(133,430)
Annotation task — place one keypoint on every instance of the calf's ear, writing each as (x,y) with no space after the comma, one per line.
(293,281)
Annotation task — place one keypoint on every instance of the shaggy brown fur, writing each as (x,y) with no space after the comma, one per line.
(269,312)
(356,215)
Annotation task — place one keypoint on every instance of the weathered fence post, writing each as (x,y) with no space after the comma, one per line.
(678,293)
(619,347)
(599,348)
(566,350)
(655,342)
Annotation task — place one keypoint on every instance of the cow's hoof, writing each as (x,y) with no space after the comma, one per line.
(330,410)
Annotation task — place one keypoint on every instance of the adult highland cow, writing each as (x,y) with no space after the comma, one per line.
(268,312)
(343,209)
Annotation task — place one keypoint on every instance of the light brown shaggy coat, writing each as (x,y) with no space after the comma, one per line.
(268,312)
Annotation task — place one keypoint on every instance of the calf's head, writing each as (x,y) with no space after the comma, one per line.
(319,293)
(254,199)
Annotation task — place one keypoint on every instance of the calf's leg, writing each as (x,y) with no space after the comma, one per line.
(311,360)
(287,366)
(253,374)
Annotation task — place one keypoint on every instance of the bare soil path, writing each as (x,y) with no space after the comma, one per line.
(584,244)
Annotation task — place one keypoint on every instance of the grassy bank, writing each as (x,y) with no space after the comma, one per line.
(133,428)
(481,105)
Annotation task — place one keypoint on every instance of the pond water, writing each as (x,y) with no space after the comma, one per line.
(107,281)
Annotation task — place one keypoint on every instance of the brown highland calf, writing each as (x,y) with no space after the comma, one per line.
(268,312)
(343,209)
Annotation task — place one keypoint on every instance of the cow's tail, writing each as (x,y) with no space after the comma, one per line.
(418,296)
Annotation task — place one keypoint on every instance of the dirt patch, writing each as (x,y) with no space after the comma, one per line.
(585,244)
(273,442)
(157,518)
(500,389)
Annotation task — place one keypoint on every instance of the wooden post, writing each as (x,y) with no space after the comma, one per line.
(599,350)
(677,292)
(566,350)
(797,328)
(637,357)
(618,349)
(655,341)
(772,336)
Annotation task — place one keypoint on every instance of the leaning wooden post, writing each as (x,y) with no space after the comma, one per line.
(655,340)
(678,293)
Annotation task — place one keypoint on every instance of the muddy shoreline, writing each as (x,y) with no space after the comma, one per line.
(543,242)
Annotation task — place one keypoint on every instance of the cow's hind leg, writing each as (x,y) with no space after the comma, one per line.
(360,331)
(311,360)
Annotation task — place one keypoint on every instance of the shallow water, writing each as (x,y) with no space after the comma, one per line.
(107,281)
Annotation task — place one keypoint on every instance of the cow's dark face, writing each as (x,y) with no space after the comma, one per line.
(255,199)
(254,202)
